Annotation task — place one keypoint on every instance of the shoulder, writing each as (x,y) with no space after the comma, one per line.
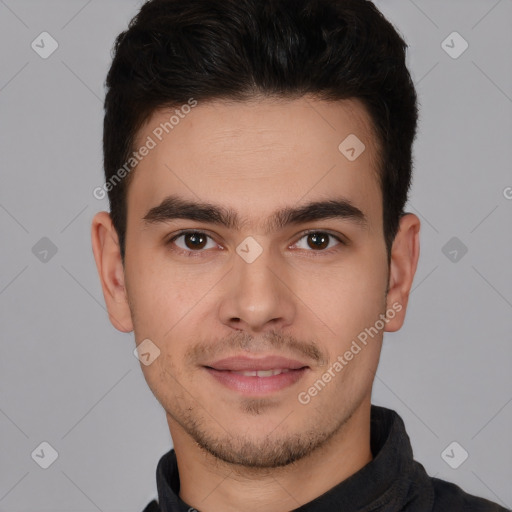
(449,496)
(152,507)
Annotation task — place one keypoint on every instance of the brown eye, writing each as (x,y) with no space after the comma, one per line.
(192,241)
(319,241)
(195,240)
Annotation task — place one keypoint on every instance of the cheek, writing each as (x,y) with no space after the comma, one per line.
(165,382)
(346,297)
(161,294)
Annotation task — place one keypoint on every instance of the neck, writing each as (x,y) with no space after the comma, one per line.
(208,484)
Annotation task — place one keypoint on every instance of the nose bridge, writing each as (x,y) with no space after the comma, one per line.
(256,295)
(254,268)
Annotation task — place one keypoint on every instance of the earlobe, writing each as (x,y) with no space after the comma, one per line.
(105,246)
(404,260)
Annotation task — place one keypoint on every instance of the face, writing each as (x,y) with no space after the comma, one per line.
(280,254)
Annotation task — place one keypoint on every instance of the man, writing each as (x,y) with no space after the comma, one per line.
(258,158)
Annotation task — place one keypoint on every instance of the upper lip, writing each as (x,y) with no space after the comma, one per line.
(244,363)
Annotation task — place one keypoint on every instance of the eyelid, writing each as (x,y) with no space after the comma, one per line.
(176,234)
(182,232)
(313,253)
(340,238)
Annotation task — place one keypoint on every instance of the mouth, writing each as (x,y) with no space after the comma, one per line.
(256,377)
(261,373)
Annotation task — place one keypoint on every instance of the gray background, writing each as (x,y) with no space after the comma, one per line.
(69,378)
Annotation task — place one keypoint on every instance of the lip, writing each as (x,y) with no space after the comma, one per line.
(244,363)
(223,371)
(254,385)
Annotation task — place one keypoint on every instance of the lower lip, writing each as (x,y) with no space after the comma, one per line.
(257,385)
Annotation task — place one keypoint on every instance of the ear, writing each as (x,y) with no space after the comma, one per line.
(404,260)
(106,249)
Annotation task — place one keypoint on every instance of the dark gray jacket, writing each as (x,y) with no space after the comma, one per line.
(392,482)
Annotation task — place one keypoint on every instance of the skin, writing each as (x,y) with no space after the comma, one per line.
(268,453)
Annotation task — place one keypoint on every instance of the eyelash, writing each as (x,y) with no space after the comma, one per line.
(190,253)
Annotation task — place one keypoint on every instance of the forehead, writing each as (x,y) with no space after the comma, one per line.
(257,155)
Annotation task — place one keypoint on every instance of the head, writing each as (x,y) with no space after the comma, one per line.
(281,133)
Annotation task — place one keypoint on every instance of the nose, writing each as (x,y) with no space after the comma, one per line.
(258,295)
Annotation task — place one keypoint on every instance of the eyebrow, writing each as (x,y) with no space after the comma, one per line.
(175,207)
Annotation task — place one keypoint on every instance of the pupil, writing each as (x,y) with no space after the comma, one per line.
(316,237)
(194,237)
